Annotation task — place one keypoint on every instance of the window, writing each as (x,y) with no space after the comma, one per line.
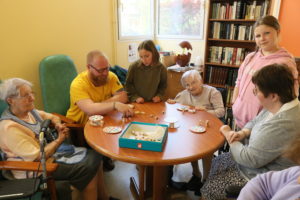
(174,18)
(180,18)
(135,19)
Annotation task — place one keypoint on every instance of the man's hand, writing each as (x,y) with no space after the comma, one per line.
(124,108)
(140,100)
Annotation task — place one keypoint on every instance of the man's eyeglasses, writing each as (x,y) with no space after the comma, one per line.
(100,71)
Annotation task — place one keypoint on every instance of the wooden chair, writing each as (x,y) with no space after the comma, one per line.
(23,188)
(56,75)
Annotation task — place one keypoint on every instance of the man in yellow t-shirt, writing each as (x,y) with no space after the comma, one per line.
(96,91)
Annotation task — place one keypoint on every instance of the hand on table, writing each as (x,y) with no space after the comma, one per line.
(124,108)
(201,108)
(140,100)
(156,99)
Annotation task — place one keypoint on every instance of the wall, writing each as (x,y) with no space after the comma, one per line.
(289,16)
(33,29)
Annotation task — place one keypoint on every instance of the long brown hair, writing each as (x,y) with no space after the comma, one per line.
(149,45)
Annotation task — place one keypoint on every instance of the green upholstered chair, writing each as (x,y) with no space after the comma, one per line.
(3,106)
(56,74)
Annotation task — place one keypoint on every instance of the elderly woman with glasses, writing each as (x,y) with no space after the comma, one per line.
(205,98)
(258,147)
(199,95)
(19,130)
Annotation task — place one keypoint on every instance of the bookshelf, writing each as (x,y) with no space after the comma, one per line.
(229,39)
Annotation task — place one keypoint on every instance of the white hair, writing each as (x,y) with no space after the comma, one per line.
(11,87)
(194,74)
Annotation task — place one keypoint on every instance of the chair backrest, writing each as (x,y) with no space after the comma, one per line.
(3,104)
(120,72)
(56,74)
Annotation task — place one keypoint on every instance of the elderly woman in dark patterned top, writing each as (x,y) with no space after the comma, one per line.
(202,97)
(19,129)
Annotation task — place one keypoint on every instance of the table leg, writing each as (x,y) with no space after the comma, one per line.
(160,180)
(138,191)
(156,182)
(206,165)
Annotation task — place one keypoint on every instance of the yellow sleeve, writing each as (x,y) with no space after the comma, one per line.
(78,91)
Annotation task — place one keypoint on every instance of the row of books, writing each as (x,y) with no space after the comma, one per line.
(227,55)
(231,31)
(240,10)
(220,75)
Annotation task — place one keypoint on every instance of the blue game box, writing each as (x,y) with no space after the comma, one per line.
(145,136)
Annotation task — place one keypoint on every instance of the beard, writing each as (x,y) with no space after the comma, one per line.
(98,81)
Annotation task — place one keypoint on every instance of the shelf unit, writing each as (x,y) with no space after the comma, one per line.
(229,39)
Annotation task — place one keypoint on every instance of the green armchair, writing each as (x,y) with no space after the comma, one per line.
(56,74)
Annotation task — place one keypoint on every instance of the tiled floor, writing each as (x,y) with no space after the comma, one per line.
(117,181)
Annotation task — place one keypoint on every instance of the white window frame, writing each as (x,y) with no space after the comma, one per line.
(154,25)
(119,21)
(158,36)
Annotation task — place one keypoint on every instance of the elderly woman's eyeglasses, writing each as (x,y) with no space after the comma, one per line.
(100,71)
(26,96)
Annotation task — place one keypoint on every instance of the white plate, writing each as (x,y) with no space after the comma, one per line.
(112,129)
(197,129)
(183,108)
(96,117)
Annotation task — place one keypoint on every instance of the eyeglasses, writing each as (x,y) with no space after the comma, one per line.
(100,71)
(27,96)
(254,91)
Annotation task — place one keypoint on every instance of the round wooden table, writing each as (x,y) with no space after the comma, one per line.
(181,146)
